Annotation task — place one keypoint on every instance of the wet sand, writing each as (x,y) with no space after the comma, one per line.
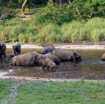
(64,46)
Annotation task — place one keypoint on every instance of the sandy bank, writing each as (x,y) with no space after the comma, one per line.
(64,46)
(35,79)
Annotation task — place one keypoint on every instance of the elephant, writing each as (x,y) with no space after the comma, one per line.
(2,50)
(46,63)
(50,56)
(103,57)
(65,55)
(26,59)
(17,48)
(48,49)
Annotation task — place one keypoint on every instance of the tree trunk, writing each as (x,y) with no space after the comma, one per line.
(60,3)
(69,2)
(53,2)
(10,1)
(23,5)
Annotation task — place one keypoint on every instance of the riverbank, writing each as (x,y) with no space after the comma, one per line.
(64,46)
(37,79)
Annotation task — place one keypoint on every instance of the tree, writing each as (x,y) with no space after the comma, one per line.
(23,5)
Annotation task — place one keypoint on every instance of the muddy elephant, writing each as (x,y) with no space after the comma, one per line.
(17,48)
(65,55)
(2,50)
(46,63)
(26,59)
(48,49)
(103,57)
(50,56)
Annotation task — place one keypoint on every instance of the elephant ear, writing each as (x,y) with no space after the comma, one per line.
(74,56)
(36,60)
(77,57)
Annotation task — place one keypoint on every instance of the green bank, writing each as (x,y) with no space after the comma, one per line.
(79,92)
(48,22)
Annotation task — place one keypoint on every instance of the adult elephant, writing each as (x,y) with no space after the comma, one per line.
(17,48)
(48,49)
(65,55)
(2,50)
(26,59)
(103,57)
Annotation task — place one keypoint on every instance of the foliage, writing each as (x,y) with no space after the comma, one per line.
(85,9)
(74,31)
(18,3)
(53,14)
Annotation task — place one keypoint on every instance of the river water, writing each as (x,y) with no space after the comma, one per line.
(90,68)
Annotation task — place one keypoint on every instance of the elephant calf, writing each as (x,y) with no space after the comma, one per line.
(17,48)
(65,55)
(2,50)
(47,63)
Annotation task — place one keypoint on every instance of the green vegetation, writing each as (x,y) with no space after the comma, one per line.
(75,31)
(52,22)
(79,92)
(4,88)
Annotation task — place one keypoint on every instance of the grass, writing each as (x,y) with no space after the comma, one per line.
(61,93)
(80,92)
(4,88)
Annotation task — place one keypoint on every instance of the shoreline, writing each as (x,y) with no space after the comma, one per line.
(64,46)
(38,79)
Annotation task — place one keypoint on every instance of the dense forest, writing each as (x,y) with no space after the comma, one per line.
(52,20)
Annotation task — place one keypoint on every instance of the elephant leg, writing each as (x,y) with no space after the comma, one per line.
(0,56)
(15,53)
(4,55)
(43,67)
(32,62)
(48,68)
(19,51)
(15,50)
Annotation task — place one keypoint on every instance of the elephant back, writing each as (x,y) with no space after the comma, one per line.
(48,49)
(53,58)
(61,54)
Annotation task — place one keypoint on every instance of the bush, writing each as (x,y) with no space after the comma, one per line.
(53,14)
(86,9)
